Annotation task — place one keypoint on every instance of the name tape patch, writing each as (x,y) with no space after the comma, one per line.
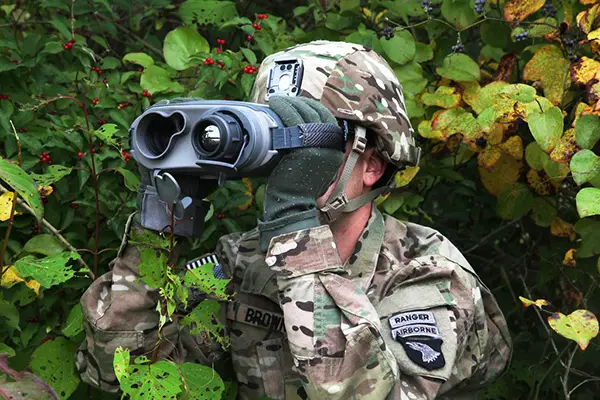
(256,316)
(411,318)
(417,330)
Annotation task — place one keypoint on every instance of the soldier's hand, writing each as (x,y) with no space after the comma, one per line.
(302,175)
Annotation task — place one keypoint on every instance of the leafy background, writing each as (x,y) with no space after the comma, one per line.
(504,96)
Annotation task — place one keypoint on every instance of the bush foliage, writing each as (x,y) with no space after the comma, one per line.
(504,96)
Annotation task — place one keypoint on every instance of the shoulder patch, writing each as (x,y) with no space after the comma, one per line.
(208,259)
(418,333)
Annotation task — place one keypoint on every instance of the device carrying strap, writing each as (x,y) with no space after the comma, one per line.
(309,135)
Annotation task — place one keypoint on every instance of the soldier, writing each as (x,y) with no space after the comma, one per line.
(333,299)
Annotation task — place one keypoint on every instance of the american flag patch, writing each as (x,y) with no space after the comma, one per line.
(208,259)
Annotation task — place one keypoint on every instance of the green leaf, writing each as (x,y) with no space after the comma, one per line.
(53,174)
(203,278)
(249,54)
(149,238)
(590,240)
(161,380)
(181,44)
(9,315)
(53,48)
(201,322)
(247,83)
(588,202)
(131,180)
(543,211)
(401,48)
(23,184)
(6,349)
(349,5)
(424,52)
(547,128)
(106,133)
(109,63)
(121,363)
(411,77)
(459,67)
(202,382)
(514,201)
(142,59)
(238,21)
(54,362)
(74,323)
(337,22)
(206,12)
(45,244)
(535,156)
(585,165)
(156,79)
(459,12)
(47,271)
(587,131)
(153,268)
(22,385)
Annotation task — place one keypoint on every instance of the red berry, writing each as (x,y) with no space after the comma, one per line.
(249,38)
(80,154)
(101,122)
(262,16)
(95,101)
(93,149)
(22,130)
(220,216)
(221,42)
(257,27)
(209,61)
(140,69)
(50,162)
(219,50)
(14,61)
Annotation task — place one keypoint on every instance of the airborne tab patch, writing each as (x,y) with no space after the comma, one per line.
(418,333)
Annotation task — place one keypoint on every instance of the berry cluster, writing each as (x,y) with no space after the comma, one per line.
(209,61)
(427,6)
(571,47)
(68,45)
(45,158)
(479,6)
(96,70)
(388,32)
(250,69)
(481,142)
(74,206)
(458,48)
(126,155)
(95,101)
(3,97)
(146,93)
(249,37)
(34,320)
(220,216)
(122,106)
(22,130)
(549,9)
(221,42)
(519,37)
(101,122)
(256,27)
(262,16)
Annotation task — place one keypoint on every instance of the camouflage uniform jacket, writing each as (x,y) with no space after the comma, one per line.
(405,318)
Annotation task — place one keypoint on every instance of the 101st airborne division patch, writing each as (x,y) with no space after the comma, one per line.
(418,333)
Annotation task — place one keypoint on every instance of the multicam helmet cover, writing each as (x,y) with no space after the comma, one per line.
(355,84)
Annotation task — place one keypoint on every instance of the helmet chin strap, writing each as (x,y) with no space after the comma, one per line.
(338,202)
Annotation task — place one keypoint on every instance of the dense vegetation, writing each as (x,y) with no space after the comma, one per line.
(504,95)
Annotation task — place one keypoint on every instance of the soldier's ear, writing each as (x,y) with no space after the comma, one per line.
(374,167)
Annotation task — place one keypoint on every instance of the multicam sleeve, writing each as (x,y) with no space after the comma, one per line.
(333,331)
(119,310)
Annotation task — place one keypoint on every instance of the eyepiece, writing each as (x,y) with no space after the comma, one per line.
(209,139)
(155,132)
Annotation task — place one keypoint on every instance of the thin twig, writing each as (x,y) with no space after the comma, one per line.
(486,237)
(581,383)
(565,378)
(133,35)
(55,231)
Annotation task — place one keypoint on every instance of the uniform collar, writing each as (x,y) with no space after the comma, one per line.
(361,264)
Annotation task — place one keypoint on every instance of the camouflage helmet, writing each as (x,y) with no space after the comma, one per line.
(355,84)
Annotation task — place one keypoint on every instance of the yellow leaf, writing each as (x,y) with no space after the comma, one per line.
(513,147)
(11,277)
(489,157)
(45,190)
(248,192)
(380,15)
(5,205)
(564,150)
(594,39)
(539,182)
(404,177)
(538,303)
(518,10)
(561,228)
(380,199)
(586,19)
(569,259)
(587,2)
(549,66)
(580,326)
(506,170)
(584,70)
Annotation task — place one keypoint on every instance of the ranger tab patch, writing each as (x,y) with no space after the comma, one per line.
(418,333)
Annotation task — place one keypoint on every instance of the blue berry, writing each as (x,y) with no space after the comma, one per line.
(480,6)
(388,32)
(549,9)
(458,48)
(426,5)
(519,37)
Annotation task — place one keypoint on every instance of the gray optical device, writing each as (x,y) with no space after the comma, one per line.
(186,148)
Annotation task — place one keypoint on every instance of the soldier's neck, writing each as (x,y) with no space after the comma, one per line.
(347,230)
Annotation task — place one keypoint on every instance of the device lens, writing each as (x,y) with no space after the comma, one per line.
(210,138)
